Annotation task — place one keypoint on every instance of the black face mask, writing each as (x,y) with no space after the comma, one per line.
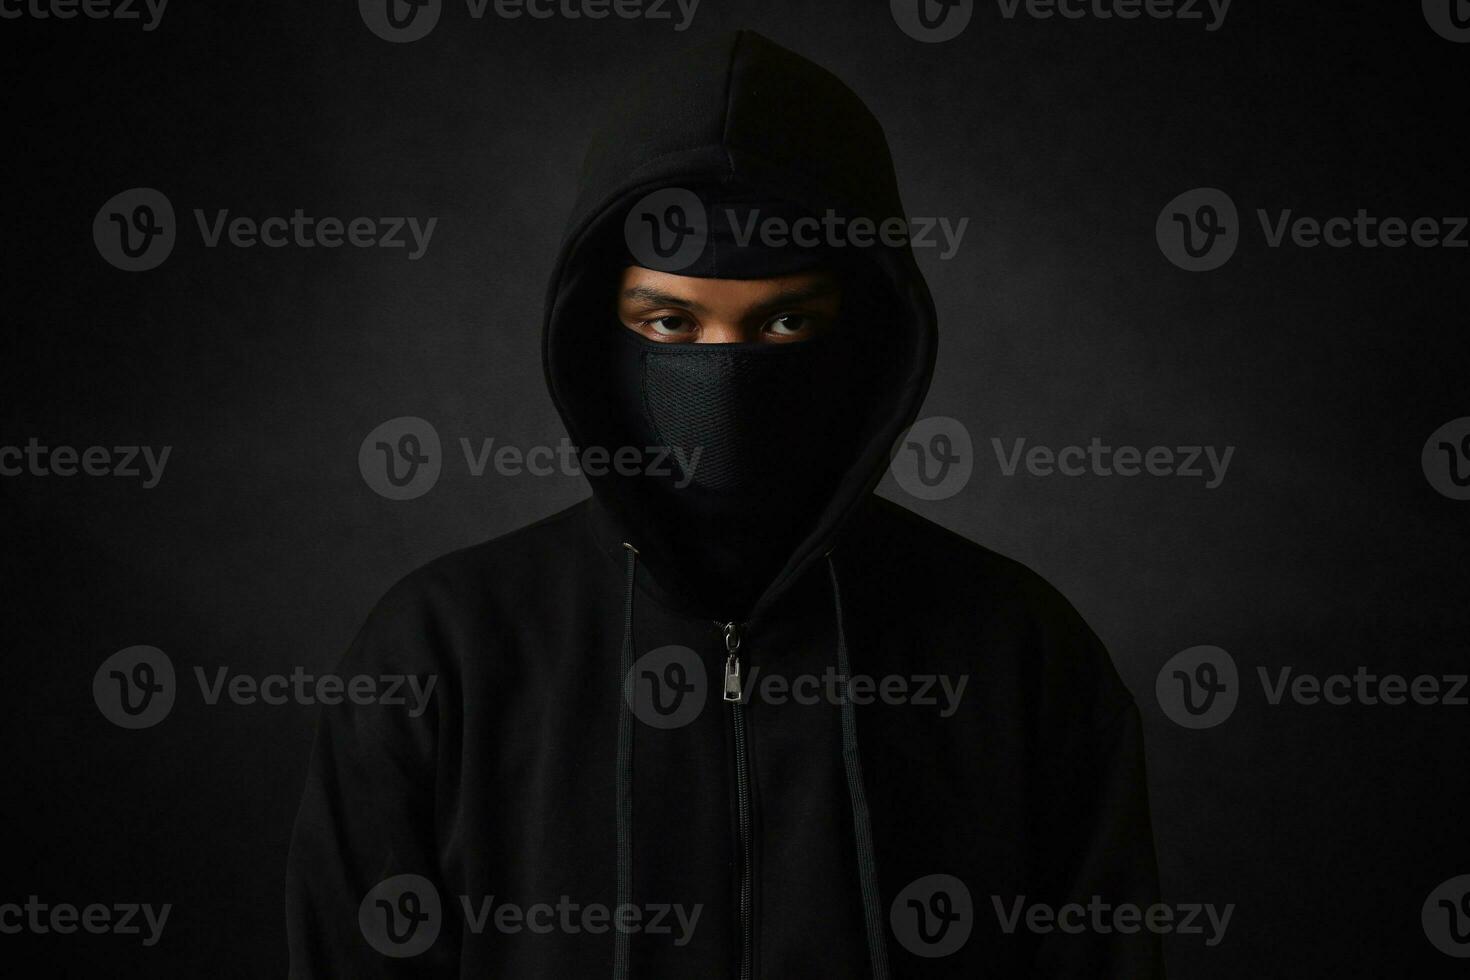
(768,430)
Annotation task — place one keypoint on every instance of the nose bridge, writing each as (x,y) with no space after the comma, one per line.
(738,317)
(726,328)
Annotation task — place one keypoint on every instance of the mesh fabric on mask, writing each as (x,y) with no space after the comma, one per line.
(752,414)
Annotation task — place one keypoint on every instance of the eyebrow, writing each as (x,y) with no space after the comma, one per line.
(655,297)
(787,297)
(796,295)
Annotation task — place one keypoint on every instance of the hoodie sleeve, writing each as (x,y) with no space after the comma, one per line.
(1105,859)
(1099,850)
(367,817)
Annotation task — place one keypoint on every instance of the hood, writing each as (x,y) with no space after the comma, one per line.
(739,111)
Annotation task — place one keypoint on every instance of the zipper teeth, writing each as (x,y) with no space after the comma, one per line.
(742,792)
(742,806)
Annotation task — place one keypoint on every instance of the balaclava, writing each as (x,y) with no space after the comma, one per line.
(767,428)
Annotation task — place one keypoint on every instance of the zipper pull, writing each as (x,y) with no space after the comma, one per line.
(732,662)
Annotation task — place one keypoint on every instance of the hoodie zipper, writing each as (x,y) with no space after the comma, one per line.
(734,692)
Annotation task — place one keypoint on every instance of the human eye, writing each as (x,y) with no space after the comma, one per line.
(666,328)
(789,326)
(670,326)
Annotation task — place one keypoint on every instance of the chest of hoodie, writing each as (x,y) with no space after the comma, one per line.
(530,819)
(530,816)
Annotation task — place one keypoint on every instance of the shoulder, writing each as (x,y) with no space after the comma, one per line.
(497,564)
(482,587)
(929,556)
(941,584)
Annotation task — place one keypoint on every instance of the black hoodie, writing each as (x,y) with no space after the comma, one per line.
(985,758)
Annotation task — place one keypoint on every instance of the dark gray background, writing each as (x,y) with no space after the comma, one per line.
(263,548)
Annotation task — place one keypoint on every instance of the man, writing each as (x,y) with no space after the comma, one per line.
(737,717)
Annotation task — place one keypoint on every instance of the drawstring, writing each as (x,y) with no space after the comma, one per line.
(851,761)
(862,828)
(621,937)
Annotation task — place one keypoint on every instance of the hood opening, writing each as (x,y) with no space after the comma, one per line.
(743,114)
